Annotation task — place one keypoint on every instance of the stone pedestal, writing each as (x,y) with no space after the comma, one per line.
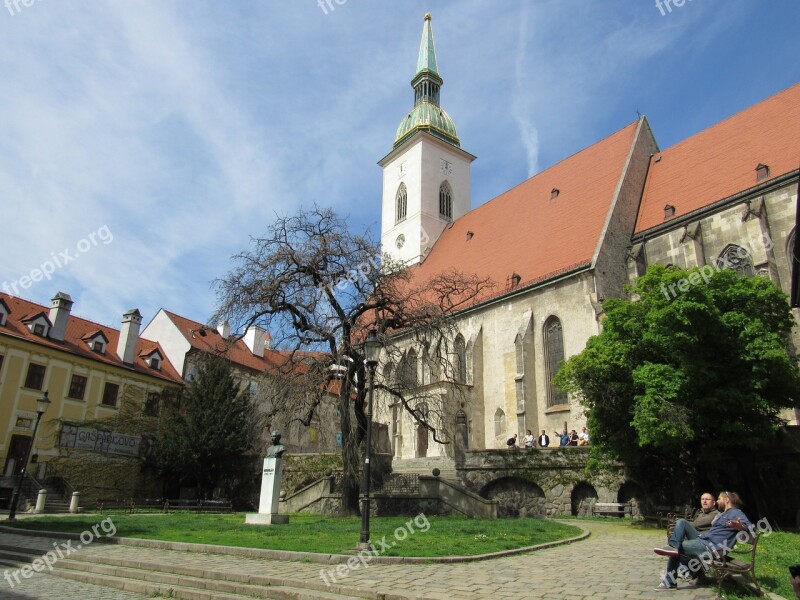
(40,502)
(73,505)
(272,474)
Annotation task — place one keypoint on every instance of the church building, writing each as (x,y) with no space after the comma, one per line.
(560,243)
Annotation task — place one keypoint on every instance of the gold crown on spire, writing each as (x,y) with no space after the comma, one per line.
(427,16)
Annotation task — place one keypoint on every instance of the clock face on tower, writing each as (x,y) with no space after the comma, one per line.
(400,241)
(445,167)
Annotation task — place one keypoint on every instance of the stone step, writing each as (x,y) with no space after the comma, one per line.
(175,581)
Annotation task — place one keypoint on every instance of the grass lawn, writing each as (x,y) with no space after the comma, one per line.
(405,536)
(776,551)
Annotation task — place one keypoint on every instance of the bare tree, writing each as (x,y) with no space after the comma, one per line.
(318,288)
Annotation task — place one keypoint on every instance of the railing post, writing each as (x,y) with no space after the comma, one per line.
(73,503)
(40,501)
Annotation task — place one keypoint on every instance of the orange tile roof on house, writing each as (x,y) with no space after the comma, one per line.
(79,330)
(721,161)
(532,230)
(207,339)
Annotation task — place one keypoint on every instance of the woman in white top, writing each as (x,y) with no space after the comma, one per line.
(529,440)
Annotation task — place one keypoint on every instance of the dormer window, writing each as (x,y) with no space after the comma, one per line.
(38,324)
(669,211)
(153,360)
(515,281)
(4,312)
(762,172)
(97,342)
(554,193)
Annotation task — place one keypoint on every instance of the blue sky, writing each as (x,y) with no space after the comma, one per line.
(150,140)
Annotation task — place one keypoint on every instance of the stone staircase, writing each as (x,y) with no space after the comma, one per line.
(55,502)
(424,466)
(175,581)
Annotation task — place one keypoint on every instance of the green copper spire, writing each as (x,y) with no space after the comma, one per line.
(427,53)
(427,115)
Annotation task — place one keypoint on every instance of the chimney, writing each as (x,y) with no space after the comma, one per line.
(224,329)
(60,306)
(256,340)
(129,335)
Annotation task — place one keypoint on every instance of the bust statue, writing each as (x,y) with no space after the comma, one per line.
(277,449)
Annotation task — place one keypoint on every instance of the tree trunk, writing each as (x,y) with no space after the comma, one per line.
(350,462)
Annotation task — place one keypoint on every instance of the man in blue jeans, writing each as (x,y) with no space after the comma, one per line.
(719,540)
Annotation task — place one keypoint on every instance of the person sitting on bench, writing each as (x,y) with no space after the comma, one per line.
(718,540)
(705,515)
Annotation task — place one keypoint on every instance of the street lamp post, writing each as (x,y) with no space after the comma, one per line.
(41,406)
(372,352)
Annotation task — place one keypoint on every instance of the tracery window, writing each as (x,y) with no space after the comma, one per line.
(445,201)
(554,358)
(736,258)
(401,204)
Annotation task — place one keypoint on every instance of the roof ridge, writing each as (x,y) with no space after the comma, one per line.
(72,315)
(738,114)
(553,166)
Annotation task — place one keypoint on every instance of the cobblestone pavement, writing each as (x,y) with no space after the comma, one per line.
(52,587)
(616,561)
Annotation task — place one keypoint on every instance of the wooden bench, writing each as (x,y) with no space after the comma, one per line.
(665,516)
(151,504)
(198,505)
(612,509)
(741,560)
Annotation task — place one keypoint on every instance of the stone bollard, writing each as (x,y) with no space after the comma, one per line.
(73,504)
(40,502)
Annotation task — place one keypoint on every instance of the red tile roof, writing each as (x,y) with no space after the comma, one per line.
(78,330)
(720,162)
(526,231)
(208,339)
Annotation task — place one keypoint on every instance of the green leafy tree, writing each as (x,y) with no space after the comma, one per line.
(688,376)
(207,437)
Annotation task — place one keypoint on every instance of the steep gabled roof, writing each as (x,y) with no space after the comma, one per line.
(207,339)
(721,161)
(78,330)
(549,225)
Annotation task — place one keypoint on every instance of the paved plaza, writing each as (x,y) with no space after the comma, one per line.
(615,561)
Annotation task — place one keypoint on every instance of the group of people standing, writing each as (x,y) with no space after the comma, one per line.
(566,438)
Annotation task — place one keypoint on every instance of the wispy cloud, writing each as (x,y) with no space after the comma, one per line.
(185,127)
(523,105)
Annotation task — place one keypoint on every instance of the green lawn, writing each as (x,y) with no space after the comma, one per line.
(404,536)
(776,551)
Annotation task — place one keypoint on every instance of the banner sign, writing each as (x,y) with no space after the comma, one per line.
(109,442)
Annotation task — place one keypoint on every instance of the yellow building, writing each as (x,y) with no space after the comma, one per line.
(105,386)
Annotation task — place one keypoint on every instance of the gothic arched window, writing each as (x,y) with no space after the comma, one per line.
(388,374)
(499,423)
(409,369)
(445,201)
(401,204)
(554,358)
(736,258)
(460,360)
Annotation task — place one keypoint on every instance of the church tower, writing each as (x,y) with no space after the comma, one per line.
(426,178)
